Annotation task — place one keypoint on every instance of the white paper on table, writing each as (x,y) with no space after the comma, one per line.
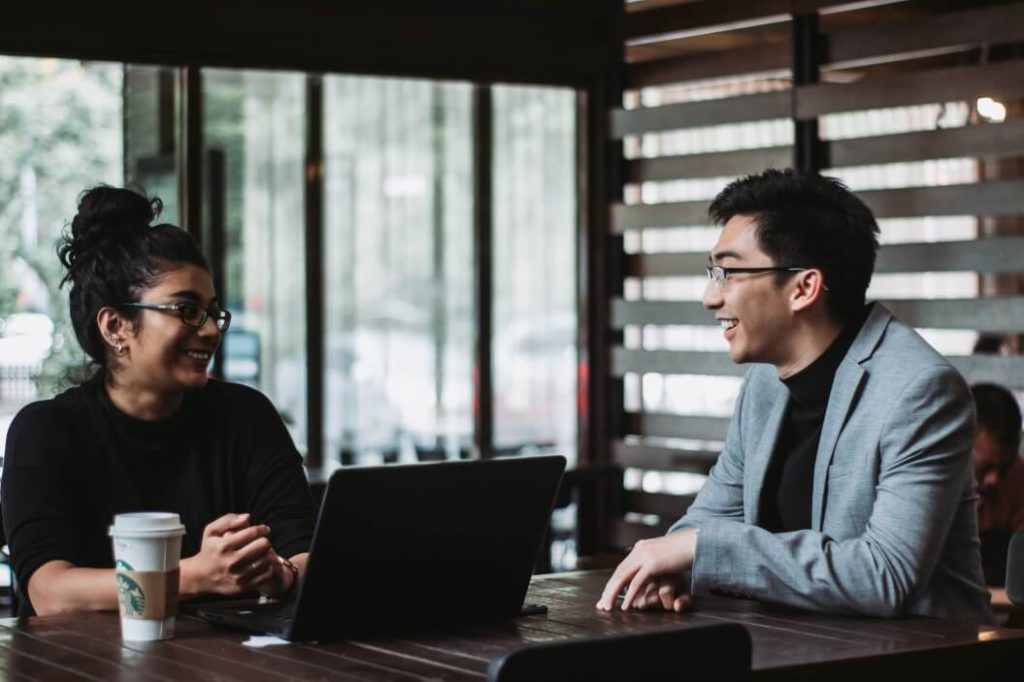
(260,641)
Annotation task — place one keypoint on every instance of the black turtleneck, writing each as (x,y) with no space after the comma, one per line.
(786,496)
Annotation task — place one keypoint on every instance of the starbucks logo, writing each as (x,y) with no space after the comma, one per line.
(129,593)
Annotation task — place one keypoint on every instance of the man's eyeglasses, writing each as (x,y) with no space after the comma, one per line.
(192,314)
(720,275)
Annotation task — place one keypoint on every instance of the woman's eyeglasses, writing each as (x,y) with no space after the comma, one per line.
(192,314)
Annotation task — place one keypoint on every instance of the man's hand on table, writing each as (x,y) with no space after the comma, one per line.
(652,574)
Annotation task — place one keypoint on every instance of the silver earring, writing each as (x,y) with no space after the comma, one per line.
(118,348)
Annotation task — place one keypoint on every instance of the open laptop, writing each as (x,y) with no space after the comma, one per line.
(407,545)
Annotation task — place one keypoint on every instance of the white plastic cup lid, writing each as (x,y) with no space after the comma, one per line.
(147,524)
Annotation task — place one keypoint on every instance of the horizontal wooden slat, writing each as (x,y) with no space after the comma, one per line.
(1004,80)
(995,197)
(677,426)
(957,30)
(982,314)
(977,141)
(991,140)
(673,362)
(710,165)
(874,43)
(659,312)
(663,504)
(707,15)
(628,533)
(680,264)
(986,256)
(975,368)
(740,61)
(1008,371)
(983,256)
(765,105)
(675,214)
(663,458)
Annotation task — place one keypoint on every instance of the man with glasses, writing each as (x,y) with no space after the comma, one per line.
(999,473)
(844,484)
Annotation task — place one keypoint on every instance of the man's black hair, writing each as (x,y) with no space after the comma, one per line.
(999,414)
(812,221)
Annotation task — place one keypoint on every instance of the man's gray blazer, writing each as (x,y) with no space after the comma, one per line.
(893,521)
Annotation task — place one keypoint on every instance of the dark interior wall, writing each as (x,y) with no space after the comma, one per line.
(539,41)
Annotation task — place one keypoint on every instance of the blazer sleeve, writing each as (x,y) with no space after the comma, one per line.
(924,455)
(721,496)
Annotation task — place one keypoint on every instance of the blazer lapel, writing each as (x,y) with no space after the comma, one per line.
(841,401)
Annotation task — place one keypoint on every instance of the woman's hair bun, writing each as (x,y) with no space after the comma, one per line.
(106,214)
(112,210)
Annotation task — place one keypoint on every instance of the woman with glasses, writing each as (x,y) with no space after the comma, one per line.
(150,431)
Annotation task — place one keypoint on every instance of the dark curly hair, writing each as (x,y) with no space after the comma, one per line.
(812,221)
(112,252)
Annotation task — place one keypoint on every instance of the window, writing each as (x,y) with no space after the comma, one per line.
(534,345)
(398,269)
(254,135)
(60,133)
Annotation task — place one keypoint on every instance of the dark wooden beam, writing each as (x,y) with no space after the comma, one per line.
(453,39)
(313,201)
(190,150)
(483,270)
(806,61)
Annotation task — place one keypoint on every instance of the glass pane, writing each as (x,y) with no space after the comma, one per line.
(150,138)
(60,133)
(255,126)
(534,345)
(398,269)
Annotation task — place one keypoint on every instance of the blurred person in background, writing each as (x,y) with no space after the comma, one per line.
(999,474)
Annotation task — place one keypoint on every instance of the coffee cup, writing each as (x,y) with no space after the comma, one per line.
(147,549)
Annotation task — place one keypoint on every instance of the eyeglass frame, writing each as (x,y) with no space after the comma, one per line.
(720,282)
(221,316)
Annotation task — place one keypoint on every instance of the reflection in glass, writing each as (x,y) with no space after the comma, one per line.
(398,269)
(254,124)
(534,345)
(60,132)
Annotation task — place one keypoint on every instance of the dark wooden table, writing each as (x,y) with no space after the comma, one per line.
(787,645)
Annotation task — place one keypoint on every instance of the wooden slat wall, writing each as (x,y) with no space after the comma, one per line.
(882,55)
